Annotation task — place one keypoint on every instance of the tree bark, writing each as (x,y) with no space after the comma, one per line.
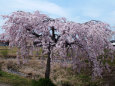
(47,72)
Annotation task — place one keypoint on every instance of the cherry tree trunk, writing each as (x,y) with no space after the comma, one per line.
(47,72)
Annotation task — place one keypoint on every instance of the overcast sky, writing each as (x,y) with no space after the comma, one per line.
(75,10)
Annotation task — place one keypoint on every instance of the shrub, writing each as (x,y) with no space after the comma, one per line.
(43,82)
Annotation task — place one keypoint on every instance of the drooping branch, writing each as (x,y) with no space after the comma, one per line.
(35,34)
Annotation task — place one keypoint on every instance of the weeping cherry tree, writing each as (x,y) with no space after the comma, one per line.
(58,35)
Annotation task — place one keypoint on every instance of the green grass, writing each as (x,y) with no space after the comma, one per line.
(14,80)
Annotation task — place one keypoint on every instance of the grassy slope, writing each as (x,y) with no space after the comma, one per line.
(5,50)
(13,79)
